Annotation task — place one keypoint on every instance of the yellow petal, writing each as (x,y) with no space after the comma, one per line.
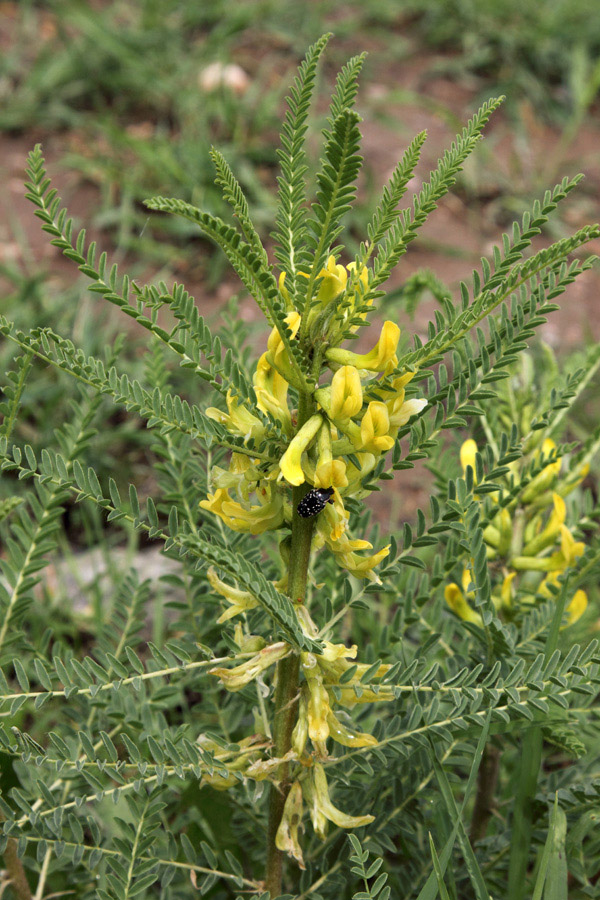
(290,462)
(467,454)
(455,599)
(577,606)
(346,393)
(374,428)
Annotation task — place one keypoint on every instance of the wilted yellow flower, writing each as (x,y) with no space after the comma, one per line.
(235,679)
(331,652)
(375,427)
(291,461)
(317,700)
(316,792)
(382,358)
(240,600)
(286,838)
(346,736)
(300,732)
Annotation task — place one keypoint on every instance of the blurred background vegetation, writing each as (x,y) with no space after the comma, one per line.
(127,97)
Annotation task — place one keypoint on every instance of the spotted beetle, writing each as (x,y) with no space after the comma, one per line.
(314,502)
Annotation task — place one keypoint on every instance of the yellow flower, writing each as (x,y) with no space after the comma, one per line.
(570,548)
(346,393)
(240,600)
(362,566)
(333,281)
(276,353)
(546,478)
(548,535)
(253,520)
(214,504)
(456,601)
(577,606)
(382,358)
(242,475)
(405,411)
(507,589)
(271,390)
(290,462)
(333,521)
(329,472)
(239,420)
(569,553)
(467,454)
(375,427)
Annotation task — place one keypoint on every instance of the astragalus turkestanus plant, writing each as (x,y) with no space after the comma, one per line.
(312,678)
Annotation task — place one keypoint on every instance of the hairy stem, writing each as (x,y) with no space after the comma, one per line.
(487,779)
(286,693)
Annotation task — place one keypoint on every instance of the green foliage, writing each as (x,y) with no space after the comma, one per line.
(509,43)
(147,747)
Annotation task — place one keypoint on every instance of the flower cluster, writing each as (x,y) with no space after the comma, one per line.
(356,419)
(320,717)
(528,539)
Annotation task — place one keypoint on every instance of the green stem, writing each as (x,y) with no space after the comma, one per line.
(530,760)
(288,670)
(487,780)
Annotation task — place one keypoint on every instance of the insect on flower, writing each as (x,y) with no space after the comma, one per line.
(314,502)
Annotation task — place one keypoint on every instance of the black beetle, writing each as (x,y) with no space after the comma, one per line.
(314,502)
